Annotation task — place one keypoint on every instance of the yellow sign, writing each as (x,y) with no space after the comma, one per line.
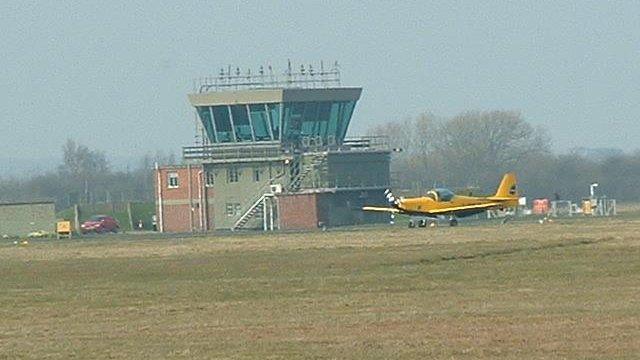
(63,228)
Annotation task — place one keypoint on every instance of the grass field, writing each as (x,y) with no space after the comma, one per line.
(569,289)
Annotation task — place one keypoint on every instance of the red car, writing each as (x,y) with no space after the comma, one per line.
(100,224)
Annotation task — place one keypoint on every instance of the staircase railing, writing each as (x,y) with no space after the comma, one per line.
(265,190)
(253,209)
(296,181)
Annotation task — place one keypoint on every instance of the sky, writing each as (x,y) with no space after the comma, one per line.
(115,75)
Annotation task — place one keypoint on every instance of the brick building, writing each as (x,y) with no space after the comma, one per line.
(274,156)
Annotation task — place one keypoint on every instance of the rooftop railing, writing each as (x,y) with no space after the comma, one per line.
(230,152)
(306,76)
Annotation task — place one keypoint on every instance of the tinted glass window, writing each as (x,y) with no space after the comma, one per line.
(274,117)
(241,123)
(223,123)
(260,121)
(445,194)
(206,119)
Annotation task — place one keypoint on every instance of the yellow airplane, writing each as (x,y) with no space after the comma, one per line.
(443,202)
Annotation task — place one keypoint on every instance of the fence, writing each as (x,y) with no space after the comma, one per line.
(128,214)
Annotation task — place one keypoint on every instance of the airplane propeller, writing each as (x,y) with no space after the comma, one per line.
(390,198)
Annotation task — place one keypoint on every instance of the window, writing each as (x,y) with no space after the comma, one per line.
(241,123)
(233,174)
(172,180)
(206,118)
(232,209)
(223,124)
(274,117)
(260,121)
(210,178)
(256,174)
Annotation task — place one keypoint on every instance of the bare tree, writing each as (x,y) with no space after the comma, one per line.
(469,150)
(83,167)
(478,146)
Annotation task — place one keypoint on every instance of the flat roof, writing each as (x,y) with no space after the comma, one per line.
(279,95)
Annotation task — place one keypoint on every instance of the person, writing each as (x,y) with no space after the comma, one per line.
(140,225)
(154,224)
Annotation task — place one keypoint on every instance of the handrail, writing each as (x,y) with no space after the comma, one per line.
(230,151)
(261,193)
(253,206)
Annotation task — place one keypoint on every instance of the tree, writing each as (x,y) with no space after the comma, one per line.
(478,146)
(471,149)
(83,168)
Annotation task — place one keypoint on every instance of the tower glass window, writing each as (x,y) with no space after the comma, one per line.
(292,122)
(274,114)
(316,119)
(241,123)
(207,121)
(223,124)
(260,121)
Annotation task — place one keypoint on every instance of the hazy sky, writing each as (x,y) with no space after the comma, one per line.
(115,74)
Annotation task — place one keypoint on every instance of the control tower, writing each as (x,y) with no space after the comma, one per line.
(273,154)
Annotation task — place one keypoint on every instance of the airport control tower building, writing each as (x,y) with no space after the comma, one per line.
(273,154)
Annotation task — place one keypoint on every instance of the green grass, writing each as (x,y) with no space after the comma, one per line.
(139,211)
(570,289)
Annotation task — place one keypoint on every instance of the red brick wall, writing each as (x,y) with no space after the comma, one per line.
(176,218)
(298,211)
(176,207)
(182,191)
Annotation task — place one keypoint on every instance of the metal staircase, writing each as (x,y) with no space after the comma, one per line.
(298,173)
(256,209)
(318,160)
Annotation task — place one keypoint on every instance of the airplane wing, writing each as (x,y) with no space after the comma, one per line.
(465,207)
(381,209)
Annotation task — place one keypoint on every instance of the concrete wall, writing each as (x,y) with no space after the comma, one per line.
(19,219)
(245,191)
(345,207)
(358,169)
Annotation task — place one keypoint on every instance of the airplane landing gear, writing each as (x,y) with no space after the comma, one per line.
(423,223)
(453,222)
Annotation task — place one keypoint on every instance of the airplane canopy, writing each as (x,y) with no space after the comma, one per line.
(441,194)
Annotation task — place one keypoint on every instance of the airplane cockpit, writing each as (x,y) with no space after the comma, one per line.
(440,194)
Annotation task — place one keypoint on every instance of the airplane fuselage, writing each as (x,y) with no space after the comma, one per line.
(426,206)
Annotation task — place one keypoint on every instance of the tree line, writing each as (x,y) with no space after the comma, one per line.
(85,176)
(470,152)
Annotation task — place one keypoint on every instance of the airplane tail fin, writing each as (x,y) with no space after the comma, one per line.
(508,186)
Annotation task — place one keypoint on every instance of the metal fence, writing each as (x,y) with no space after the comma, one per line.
(274,149)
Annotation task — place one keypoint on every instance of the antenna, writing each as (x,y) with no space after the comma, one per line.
(233,77)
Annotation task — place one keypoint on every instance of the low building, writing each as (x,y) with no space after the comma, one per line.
(22,218)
